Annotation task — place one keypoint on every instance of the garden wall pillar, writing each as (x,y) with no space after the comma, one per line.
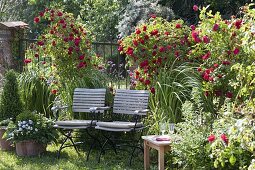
(10,35)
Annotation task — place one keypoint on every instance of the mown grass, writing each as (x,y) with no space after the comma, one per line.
(69,160)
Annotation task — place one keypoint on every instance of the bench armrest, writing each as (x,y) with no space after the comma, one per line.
(57,108)
(94,109)
(142,111)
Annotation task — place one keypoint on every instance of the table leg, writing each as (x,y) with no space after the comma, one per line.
(146,156)
(161,160)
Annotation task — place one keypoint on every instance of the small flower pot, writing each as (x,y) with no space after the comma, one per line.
(4,144)
(29,148)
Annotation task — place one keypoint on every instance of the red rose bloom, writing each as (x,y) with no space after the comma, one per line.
(81,65)
(138,31)
(161,49)
(224,138)
(141,41)
(206,39)
(206,77)
(195,36)
(144,63)
(147,82)
(236,51)
(211,138)
(27,60)
(195,7)
(40,43)
(193,27)
(206,56)
(144,28)
(238,24)
(218,93)
(216,65)
(206,93)
(153,16)
(154,32)
(199,69)
(226,62)
(53,43)
(154,53)
(60,14)
(178,25)
(54,91)
(36,19)
(120,48)
(152,90)
(36,55)
(215,27)
(229,94)
(81,57)
(130,51)
(65,39)
(41,14)
(135,43)
(70,49)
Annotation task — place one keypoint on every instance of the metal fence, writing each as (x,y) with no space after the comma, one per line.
(114,61)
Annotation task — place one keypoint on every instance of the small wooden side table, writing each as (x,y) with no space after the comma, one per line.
(161,146)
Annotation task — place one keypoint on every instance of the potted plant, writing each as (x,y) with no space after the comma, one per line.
(31,132)
(4,144)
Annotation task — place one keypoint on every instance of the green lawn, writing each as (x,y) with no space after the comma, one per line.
(69,160)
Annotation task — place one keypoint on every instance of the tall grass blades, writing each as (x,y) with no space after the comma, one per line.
(35,93)
(173,86)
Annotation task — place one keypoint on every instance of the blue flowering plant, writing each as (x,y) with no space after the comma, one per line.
(31,126)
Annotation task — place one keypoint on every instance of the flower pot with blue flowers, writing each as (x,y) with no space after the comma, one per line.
(31,132)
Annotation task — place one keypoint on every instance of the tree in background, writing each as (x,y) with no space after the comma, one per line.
(184,8)
(137,12)
(10,9)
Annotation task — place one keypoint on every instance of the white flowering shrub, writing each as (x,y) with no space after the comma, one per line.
(138,11)
(31,126)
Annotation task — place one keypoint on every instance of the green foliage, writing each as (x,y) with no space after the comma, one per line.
(233,147)
(11,104)
(190,152)
(5,122)
(31,126)
(184,8)
(36,93)
(101,18)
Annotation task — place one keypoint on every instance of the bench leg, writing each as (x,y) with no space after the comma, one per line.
(146,156)
(161,160)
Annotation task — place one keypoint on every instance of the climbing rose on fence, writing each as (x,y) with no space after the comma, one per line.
(66,41)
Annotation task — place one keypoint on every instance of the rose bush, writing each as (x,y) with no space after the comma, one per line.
(65,45)
(154,45)
(219,45)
